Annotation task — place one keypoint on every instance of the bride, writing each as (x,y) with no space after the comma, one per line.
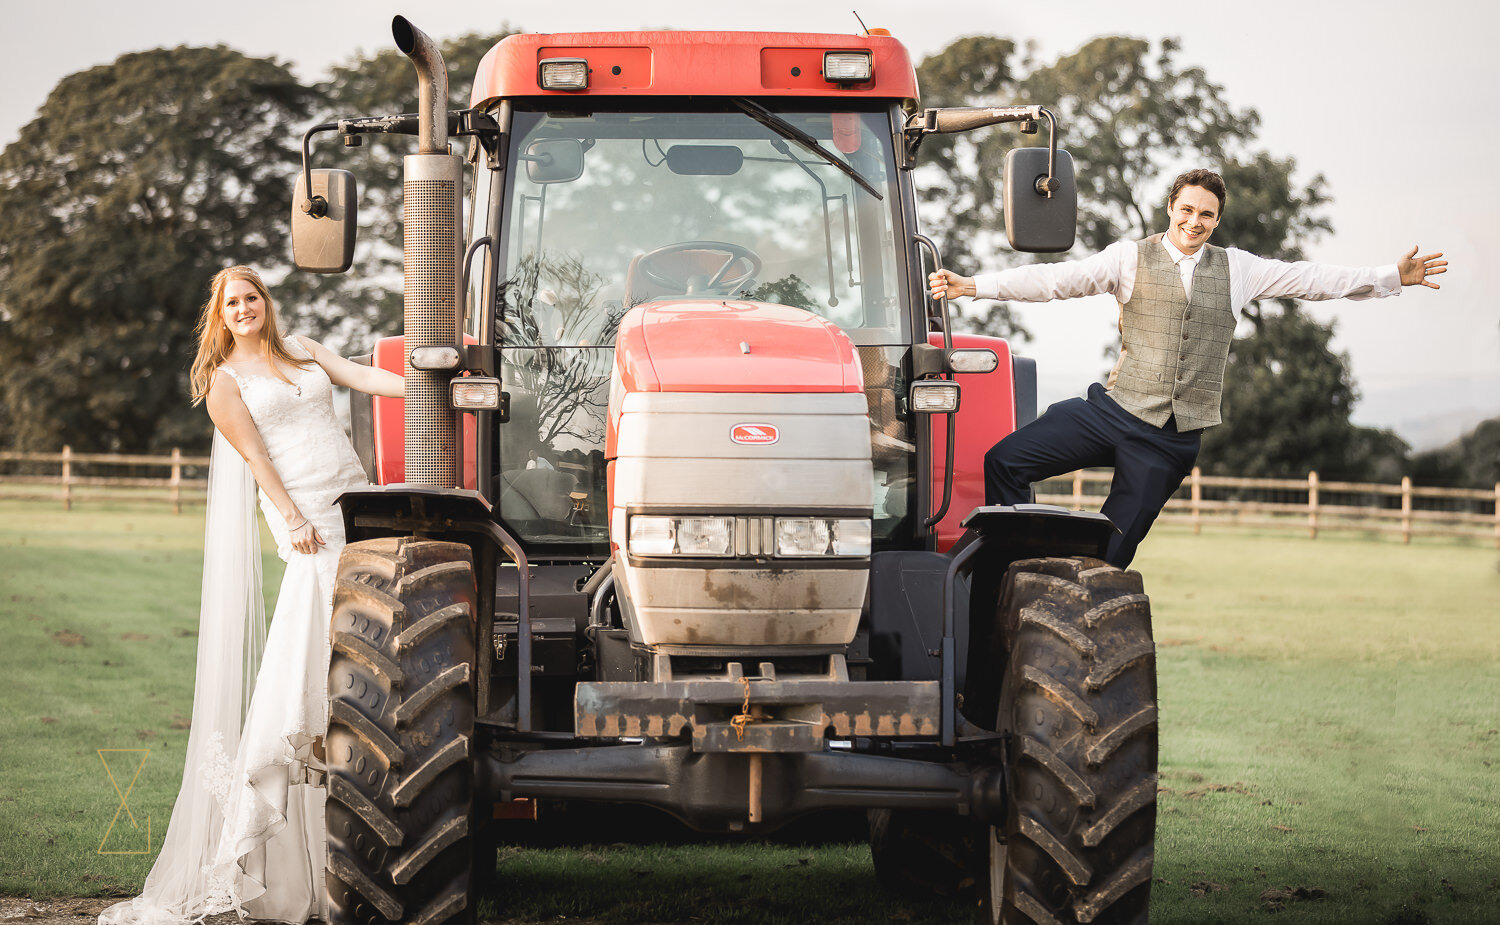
(246,832)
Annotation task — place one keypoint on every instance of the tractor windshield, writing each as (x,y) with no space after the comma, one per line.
(609,208)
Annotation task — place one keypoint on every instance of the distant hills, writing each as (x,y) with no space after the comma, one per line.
(1433,413)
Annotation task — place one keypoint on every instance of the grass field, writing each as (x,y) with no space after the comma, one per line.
(1330,733)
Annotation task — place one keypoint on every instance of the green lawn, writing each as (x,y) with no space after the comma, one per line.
(101,610)
(1329,737)
(1329,722)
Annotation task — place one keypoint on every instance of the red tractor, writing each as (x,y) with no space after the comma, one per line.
(683,508)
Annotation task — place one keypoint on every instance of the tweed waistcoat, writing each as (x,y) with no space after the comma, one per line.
(1172,350)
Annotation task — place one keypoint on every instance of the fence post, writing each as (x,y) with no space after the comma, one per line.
(176,481)
(67,478)
(1078,490)
(1312,505)
(1406,509)
(1197,496)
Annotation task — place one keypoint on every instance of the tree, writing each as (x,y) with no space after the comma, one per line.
(134,184)
(1471,461)
(1287,409)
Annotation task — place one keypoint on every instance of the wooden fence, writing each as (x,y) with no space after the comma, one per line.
(80,477)
(1300,504)
(1308,504)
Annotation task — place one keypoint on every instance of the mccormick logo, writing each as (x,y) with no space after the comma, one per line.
(754,434)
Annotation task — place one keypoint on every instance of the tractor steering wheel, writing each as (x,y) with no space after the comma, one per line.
(718,284)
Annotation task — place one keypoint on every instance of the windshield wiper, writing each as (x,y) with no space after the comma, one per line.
(791,132)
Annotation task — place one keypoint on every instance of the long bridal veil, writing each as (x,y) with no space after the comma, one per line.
(231,637)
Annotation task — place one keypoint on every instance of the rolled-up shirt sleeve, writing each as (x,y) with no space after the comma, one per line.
(1043,282)
(1263,278)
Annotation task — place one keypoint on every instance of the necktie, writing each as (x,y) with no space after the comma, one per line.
(1185,267)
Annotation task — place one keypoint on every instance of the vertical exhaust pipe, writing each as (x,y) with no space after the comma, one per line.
(432,85)
(431,210)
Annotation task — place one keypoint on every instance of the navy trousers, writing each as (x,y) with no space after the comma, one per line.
(1149,462)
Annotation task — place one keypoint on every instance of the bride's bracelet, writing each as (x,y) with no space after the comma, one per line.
(298,527)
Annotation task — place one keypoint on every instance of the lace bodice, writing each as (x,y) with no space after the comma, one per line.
(306,443)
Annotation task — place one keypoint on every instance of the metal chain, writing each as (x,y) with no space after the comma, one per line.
(744,717)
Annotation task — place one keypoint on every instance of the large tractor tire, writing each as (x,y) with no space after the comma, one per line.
(1077,701)
(401,719)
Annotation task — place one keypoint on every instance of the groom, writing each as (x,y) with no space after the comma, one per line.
(1180,299)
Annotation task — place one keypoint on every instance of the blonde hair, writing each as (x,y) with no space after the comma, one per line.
(215,342)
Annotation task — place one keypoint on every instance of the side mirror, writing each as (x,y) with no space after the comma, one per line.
(554,160)
(1034,222)
(325,243)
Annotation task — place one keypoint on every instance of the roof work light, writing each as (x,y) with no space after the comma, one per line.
(564,74)
(847,67)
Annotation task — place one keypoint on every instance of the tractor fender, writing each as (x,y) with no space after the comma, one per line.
(459,516)
(1034,530)
(402,509)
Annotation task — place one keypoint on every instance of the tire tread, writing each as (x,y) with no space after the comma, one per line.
(1083,718)
(401,714)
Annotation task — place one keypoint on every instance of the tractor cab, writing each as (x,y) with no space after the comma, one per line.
(683,203)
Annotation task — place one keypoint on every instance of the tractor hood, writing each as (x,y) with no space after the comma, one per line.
(724,346)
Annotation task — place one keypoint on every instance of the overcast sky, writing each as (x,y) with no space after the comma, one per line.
(1394,103)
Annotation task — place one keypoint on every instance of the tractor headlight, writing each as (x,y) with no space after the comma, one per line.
(652,536)
(705,536)
(714,537)
(802,536)
(934,396)
(681,536)
(817,536)
(475,393)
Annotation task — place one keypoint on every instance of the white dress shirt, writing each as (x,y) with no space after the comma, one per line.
(1112,270)
(1187,264)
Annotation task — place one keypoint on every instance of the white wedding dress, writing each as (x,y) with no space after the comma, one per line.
(247,830)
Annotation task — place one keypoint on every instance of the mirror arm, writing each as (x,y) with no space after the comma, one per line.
(460,122)
(484,127)
(316,206)
(913,132)
(1048,185)
(944,122)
